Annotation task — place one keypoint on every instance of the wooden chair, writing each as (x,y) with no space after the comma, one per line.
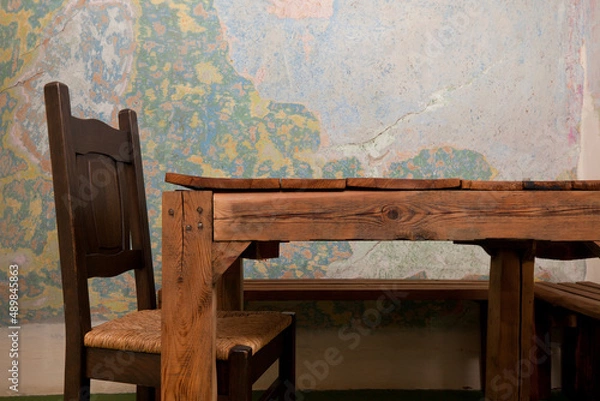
(103,232)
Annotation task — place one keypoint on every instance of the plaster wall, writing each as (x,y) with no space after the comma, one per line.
(278,88)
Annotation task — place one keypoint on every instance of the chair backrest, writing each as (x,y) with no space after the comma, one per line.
(100,204)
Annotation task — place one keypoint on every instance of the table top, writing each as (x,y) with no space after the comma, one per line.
(322,184)
(561,216)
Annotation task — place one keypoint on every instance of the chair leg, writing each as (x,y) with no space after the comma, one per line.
(240,382)
(77,391)
(144,393)
(287,362)
(76,385)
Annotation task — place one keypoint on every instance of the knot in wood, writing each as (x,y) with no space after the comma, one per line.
(391,212)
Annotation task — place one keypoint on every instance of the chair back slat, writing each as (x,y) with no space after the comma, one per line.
(95,136)
(100,204)
(103,265)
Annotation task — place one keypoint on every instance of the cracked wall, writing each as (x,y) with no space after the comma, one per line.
(411,89)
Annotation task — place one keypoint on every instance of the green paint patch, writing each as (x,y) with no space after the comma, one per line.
(443,163)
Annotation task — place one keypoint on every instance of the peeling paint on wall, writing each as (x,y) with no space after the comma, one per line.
(422,89)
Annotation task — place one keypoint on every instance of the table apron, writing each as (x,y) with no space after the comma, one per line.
(443,215)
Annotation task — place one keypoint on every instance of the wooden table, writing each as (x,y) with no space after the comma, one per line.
(206,229)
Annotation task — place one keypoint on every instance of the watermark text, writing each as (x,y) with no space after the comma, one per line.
(13,327)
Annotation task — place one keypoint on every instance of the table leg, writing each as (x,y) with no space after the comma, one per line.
(230,285)
(230,288)
(510,346)
(188,360)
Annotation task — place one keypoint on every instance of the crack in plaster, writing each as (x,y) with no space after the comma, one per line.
(40,44)
(22,82)
(376,146)
(366,253)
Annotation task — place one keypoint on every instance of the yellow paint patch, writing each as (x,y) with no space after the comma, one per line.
(195,159)
(208,73)
(12,203)
(150,146)
(6,54)
(195,121)
(185,90)
(35,208)
(188,24)
(230,148)
(186,21)
(150,95)
(259,107)
(313,125)
(271,153)
(21,18)
(164,86)
(298,120)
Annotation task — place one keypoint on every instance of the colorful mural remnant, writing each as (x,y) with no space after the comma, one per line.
(281,88)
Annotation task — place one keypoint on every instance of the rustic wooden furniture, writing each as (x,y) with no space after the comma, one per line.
(103,232)
(513,221)
(390,290)
(398,290)
(573,308)
(364,289)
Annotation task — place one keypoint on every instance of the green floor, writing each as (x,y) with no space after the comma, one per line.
(356,395)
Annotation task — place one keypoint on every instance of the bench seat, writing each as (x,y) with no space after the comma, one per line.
(574,309)
(326,289)
(582,297)
(363,289)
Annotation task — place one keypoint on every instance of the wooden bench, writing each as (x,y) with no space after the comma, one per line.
(375,289)
(363,289)
(573,308)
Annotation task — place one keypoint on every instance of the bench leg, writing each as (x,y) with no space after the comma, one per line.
(586,386)
(541,380)
(483,321)
(568,363)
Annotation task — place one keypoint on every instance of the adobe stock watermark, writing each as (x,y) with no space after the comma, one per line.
(505,384)
(439,39)
(14,328)
(350,336)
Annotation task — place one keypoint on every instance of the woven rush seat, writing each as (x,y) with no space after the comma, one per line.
(140,331)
